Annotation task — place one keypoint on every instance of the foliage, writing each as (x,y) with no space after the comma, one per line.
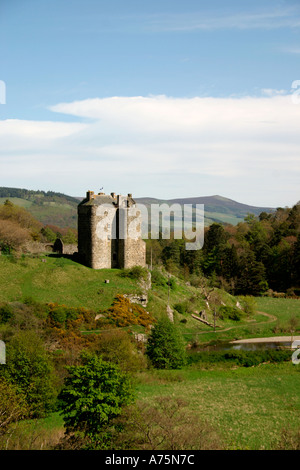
(124,313)
(13,408)
(117,347)
(240,358)
(93,394)
(169,424)
(6,313)
(29,368)
(137,272)
(180,307)
(249,304)
(247,259)
(70,317)
(229,313)
(157,278)
(165,347)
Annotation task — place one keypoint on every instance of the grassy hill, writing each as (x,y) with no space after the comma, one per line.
(47,207)
(61,210)
(47,279)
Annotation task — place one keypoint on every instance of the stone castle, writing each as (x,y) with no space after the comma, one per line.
(110,232)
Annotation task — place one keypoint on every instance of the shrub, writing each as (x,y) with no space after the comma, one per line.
(125,313)
(249,304)
(158,278)
(230,313)
(167,424)
(137,272)
(241,358)
(180,308)
(6,313)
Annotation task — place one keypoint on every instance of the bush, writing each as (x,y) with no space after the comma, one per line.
(124,313)
(167,424)
(180,308)
(230,313)
(241,358)
(249,304)
(6,313)
(137,272)
(158,278)
(30,369)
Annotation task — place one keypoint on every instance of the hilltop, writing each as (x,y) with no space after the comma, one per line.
(61,210)
(217,209)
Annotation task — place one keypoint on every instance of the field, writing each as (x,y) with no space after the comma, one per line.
(248,407)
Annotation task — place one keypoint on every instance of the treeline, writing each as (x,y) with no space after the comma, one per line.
(36,196)
(257,256)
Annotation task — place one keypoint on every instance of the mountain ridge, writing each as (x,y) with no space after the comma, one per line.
(50,207)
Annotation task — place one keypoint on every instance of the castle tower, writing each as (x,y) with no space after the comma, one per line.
(109,232)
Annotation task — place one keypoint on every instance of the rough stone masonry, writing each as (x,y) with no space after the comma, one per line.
(110,232)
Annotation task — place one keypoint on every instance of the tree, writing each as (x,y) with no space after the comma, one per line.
(251,278)
(93,394)
(12,236)
(12,409)
(165,347)
(28,367)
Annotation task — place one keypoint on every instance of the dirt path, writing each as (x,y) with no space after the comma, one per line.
(271,318)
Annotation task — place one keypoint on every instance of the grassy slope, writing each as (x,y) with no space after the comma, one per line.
(249,407)
(66,282)
(60,280)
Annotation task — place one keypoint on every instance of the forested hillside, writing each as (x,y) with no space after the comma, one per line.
(254,257)
(47,207)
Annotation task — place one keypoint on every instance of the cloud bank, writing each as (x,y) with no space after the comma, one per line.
(245,148)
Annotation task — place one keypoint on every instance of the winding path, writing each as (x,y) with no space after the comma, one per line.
(271,318)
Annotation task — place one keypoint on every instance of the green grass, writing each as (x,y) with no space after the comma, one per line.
(61,280)
(17,201)
(64,281)
(281,308)
(249,407)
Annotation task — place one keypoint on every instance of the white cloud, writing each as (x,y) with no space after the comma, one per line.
(273,92)
(261,19)
(246,148)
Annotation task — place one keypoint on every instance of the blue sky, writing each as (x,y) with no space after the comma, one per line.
(163,98)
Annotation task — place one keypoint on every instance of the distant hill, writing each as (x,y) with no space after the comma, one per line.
(61,210)
(217,208)
(47,207)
